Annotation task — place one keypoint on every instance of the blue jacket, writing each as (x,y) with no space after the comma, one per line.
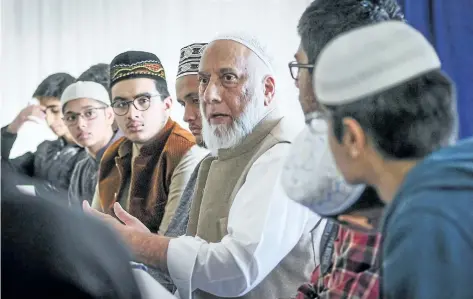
(428,229)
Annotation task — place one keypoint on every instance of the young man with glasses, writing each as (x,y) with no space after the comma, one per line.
(89,118)
(145,172)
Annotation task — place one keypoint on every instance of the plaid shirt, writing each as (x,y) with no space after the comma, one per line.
(355,270)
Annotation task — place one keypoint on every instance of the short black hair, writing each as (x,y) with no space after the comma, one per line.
(408,121)
(162,88)
(99,73)
(325,19)
(54,85)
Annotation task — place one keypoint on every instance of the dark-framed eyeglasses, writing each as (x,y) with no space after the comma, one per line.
(71,118)
(141,103)
(294,67)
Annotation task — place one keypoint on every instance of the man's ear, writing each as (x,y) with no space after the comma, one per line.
(269,89)
(109,115)
(354,137)
(167,103)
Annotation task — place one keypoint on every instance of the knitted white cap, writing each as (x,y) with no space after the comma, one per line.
(252,43)
(85,89)
(370,60)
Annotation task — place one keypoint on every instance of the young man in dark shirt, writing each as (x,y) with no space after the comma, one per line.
(55,160)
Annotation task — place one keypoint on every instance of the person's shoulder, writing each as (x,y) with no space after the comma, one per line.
(178,132)
(191,158)
(83,163)
(198,151)
(112,151)
(46,144)
(286,130)
(179,143)
(274,157)
(423,217)
(444,203)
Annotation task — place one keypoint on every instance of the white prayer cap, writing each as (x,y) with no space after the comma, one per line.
(252,43)
(85,89)
(370,60)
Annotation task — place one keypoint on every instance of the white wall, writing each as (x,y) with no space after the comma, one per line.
(40,37)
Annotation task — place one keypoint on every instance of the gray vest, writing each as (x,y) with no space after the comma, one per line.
(219,180)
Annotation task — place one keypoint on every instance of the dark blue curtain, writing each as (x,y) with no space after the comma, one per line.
(448,24)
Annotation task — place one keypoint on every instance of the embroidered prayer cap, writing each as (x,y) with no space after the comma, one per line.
(135,64)
(252,43)
(370,60)
(85,89)
(190,59)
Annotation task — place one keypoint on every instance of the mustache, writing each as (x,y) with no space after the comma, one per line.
(135,123)
(81,133)
(195,127)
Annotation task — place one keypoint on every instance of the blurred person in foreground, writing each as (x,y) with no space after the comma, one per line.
(147,170)
(53,161)
(350,264)
(245,237)
(391,113)
(42,258)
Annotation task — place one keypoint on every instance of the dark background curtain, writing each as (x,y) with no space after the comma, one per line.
(448,24)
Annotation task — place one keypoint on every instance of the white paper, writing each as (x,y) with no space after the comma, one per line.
(27,189)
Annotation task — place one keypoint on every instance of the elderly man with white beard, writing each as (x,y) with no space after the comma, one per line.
(245,237)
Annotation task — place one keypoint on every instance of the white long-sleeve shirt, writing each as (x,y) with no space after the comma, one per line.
(265,228)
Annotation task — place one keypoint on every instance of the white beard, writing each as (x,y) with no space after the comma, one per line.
(222,136)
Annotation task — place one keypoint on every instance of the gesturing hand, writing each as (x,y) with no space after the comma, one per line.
(130,221)
(104,217)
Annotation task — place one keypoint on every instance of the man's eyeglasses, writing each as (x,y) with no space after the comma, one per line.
(71,118)
(141,103)
(294,67)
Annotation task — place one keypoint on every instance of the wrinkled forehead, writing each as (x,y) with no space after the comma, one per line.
(224,54)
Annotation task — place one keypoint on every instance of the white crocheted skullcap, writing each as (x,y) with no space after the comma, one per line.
(251,42)
(370,60)
(85,89)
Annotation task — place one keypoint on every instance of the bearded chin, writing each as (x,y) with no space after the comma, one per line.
(222,136)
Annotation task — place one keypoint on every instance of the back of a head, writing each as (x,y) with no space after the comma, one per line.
(99,73)
(49,251)
(325,19)
(53,85)
(391,83)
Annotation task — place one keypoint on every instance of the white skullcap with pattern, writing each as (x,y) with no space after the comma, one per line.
(252,43)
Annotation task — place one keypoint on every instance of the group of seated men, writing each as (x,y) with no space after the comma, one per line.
(245,205)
